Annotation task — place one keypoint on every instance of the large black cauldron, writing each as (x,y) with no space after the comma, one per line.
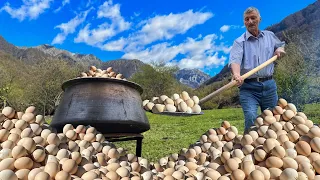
(110,105)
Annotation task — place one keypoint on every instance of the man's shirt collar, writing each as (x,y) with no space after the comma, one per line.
(248,34)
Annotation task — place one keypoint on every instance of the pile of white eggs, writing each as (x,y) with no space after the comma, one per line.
(96,72)
(283,144)
(31,149)
(177,103)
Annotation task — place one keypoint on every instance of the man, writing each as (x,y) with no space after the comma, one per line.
(248,51)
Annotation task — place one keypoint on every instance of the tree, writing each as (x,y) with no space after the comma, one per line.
(158,79)
(291,77)
(14,77)
(47,77)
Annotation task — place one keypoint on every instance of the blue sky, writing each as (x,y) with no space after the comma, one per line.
(187,33)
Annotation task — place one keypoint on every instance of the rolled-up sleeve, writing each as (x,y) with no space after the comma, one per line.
(277,42)
(236,53)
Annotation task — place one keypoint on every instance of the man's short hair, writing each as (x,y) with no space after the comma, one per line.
(251,9)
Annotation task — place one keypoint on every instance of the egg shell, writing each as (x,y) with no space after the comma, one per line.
(170,108)
(9,112)
(303,148)
(8,174)
(265,172)
(256,175)
(29,117)
(62,175)
(182,107)
(8,125)
(196,109)
(42,176)
(91,175)
(39,155)
(247,167)
(23,163)
(33,173)
(190,103)
(260,154)
(40,119)
(291,153)
(184,95)
(231,165)
(267,120)
(162,99)
(168,101)
(258,122)
(52,169)
(275,173)
(22,174)
(315,144)
(149,106)
(8,144)
(5,153)
(158,108)
(282,103)
(289,162)
(287,115)
(7,163)
(278,151)
(70,166)
(277,110)
(274,162)
(288,173)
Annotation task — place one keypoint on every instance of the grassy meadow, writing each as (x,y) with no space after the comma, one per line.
(169,134)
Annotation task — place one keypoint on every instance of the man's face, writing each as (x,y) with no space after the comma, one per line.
(251,21)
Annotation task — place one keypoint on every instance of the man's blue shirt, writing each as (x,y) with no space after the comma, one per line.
(250,51)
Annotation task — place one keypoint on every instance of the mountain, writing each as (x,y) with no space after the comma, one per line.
(224,73)
(84,59)
(31,55)
(124,66)
(28,55)
(191,77)
(301,28)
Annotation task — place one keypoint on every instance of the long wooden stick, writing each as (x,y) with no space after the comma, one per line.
(233,83)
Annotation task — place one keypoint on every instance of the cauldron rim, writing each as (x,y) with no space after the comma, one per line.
(75,81)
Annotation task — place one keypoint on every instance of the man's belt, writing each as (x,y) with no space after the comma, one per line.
(258,79)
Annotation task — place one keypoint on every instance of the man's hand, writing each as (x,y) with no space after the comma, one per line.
(238,78)
(279,52)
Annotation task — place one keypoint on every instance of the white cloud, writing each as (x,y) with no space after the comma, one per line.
(201,61)
(29,9)
(69,27)
(96,36)
(64,2)
(226,28)
(115,45)
(108,10)
(163,27)
(196,53)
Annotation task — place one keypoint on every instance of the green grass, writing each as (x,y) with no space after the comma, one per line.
(313,112)
(169,134)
